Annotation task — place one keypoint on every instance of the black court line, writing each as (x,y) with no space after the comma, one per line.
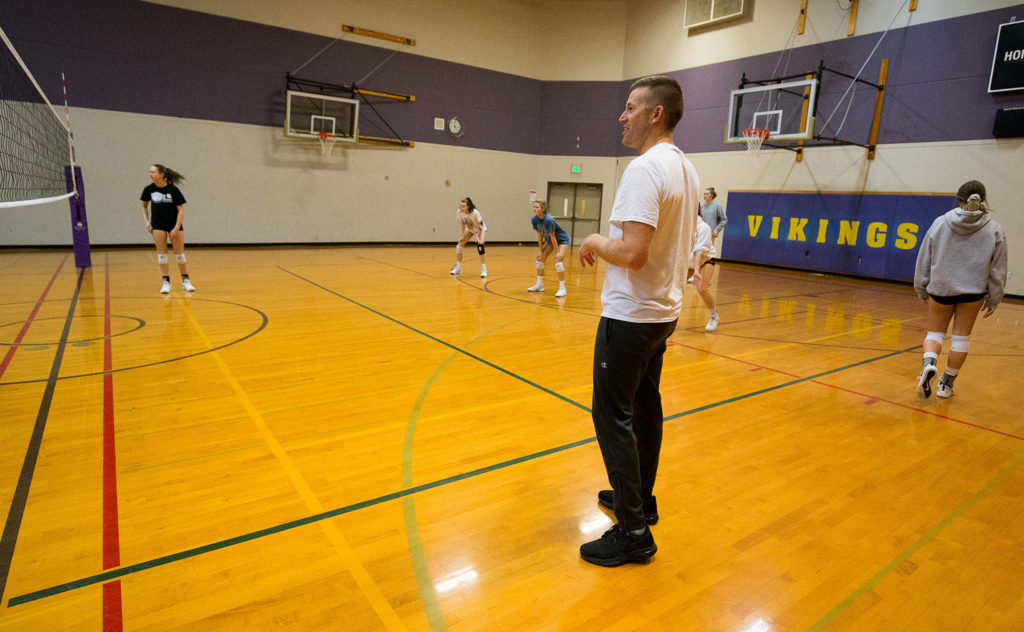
(182,555)
(17,511)
(439,341)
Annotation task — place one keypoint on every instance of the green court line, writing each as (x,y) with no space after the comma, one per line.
(286,526)
(439,341)
(175,557)
(790,383)
(913,548)
(412,533)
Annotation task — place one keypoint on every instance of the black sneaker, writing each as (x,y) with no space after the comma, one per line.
(617,546)
(606,498)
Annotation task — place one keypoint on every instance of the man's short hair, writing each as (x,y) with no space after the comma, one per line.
(663,91)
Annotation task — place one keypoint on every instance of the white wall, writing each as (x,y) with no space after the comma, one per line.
(579,40)
(247,183)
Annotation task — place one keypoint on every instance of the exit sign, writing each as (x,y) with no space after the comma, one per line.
(576,169)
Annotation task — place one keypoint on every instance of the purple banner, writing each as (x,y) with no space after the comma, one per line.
(866,234)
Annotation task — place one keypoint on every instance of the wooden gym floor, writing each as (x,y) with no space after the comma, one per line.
(351,439)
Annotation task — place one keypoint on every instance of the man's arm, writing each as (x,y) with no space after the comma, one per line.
(631,251)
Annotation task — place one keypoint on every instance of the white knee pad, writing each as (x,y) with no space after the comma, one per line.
(559,266)
(161,258)
(180,258)
(937,336)
(458,249)
(960,343)
(540,265)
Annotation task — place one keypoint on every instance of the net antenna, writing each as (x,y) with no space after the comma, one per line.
(36,149)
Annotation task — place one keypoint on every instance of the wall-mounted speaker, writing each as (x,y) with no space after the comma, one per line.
(1009,123)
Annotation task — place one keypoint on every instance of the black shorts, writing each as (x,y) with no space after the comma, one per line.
(709,262)
(162,220)
(957,298)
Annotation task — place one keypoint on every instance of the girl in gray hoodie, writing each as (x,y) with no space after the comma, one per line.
(961,267)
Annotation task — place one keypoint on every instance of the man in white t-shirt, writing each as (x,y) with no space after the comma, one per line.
(653,222)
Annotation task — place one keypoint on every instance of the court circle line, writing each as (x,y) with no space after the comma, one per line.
(263,323)
(141,324)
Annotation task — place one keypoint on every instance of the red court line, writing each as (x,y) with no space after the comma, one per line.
(747,320)
(871,399)
(921,410)
(758,366)
(112,610)
(28,323)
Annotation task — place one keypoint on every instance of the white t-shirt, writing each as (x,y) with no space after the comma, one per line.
(467,220)
(703,245)
(661,189)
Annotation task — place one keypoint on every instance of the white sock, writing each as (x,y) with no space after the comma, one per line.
(540,280)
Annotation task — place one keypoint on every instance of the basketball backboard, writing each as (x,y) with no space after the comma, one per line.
(785,109)
(308,114)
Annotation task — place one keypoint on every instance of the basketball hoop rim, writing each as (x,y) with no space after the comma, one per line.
(757,131)
(327,141)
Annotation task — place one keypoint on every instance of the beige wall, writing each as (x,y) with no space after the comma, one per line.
(580,40)
(657,41)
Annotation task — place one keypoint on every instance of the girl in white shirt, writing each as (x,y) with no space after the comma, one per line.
(471,223)
(703,264)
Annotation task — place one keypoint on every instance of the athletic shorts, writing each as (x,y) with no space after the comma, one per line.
(957,298)
(709,262)
(165,221)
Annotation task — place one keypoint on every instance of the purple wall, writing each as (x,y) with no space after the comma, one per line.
(145,58)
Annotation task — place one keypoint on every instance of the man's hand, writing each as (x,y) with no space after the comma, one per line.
(588,253)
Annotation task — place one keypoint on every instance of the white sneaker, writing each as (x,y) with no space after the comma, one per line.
(536,287)
(712,322)
(165,288)
(483,273)
(924,381)
(560,293)
(945,391)
(456,269)
(187,285)
(690,280)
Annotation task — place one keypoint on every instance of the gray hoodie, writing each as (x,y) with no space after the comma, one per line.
(962,253)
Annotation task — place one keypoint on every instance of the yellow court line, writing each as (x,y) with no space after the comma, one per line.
(370,589)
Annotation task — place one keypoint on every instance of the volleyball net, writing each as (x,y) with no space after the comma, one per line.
(35,144)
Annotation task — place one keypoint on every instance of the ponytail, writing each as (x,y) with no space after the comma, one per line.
(170,175)
(972,195)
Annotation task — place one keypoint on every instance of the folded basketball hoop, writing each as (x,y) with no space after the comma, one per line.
(754,137)
(327,143)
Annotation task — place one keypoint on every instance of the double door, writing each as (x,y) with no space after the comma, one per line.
(577,207)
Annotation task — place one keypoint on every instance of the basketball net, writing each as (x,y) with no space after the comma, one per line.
(754,138)
(327,144)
